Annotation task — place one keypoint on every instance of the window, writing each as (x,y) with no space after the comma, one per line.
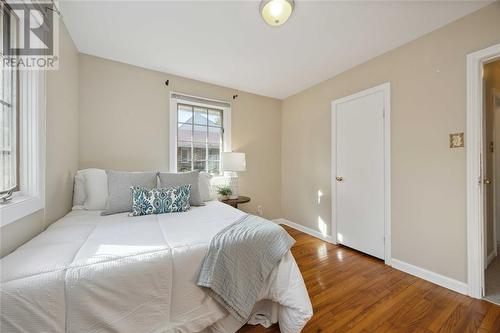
(199,138)
(200,134)
(9,111)
(22,129)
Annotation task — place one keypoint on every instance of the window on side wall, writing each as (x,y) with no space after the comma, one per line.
(199,133)
(9,110)
(22,129)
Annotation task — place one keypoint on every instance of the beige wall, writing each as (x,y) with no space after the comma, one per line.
(62,130)
(61,148)
(124,125)
(428,81)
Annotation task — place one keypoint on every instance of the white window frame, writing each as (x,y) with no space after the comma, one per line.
(31,194)
(175,99)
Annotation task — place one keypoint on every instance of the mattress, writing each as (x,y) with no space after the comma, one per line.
(116,273)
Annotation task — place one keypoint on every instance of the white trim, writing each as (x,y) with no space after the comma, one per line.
(475,232)
(208,100)
(386,89)
(226,122)
(20,207)
(173,135)
(309,231)
(31,196)
(440,280)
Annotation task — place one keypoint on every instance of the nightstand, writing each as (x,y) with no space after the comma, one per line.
(234,202)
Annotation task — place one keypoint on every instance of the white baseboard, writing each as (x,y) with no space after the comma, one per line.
(440,280)
(309,231)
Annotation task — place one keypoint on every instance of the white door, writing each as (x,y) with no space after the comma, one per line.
(359,202)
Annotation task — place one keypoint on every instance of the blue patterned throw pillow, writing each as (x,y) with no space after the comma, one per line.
(160,200)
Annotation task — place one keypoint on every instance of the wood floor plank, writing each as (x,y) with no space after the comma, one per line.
(353,292)
(445,312)
(491,321)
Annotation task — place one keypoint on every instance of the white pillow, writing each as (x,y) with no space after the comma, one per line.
(79,191)
(205,186)
(96,189)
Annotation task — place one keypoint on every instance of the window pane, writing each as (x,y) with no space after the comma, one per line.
(2,74)
(200,134)
(213,153)
(184,151)
(199,165)
(213,167)
(200,116)
(183,167)
(215,136)
(8,111)
(7,147)
(215,117)
(1,34)
(199,152)
(6,93)
(184,132)
(184,114)
(184,156)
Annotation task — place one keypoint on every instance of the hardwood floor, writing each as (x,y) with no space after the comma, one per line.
(353,292)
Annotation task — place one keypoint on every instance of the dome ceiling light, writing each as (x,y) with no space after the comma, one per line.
(276,12)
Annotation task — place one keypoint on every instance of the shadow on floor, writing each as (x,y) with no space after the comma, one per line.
(492,279)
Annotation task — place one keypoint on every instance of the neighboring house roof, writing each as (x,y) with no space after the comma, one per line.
(184,130)
(200,119)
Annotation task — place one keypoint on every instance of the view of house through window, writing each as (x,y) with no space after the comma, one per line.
(199,138)
(8,105)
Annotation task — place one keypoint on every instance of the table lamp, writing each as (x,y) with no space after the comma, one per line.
(232,163)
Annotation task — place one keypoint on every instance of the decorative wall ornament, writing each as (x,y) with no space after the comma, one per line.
(457,140)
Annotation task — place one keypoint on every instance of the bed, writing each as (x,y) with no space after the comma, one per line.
(116,273)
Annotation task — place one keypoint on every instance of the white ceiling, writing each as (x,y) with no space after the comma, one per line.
(227,42)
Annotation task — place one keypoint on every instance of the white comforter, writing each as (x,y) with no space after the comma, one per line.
(92,273)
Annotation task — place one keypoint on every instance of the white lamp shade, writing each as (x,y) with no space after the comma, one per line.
(233,162)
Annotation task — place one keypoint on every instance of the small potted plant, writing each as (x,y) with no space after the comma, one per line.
(224,192)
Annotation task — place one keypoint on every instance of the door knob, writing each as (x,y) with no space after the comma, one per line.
(487,181)
(339,179)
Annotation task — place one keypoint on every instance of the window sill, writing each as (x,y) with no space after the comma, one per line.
(19,207)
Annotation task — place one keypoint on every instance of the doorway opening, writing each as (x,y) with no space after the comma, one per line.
(483,173)
(491,171)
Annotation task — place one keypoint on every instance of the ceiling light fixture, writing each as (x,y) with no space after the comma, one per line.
(276,12)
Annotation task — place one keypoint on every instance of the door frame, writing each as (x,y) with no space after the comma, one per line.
(474,146)
(494,180)
(496,105)
(386,89)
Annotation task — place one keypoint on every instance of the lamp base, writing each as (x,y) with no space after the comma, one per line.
(232,182)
